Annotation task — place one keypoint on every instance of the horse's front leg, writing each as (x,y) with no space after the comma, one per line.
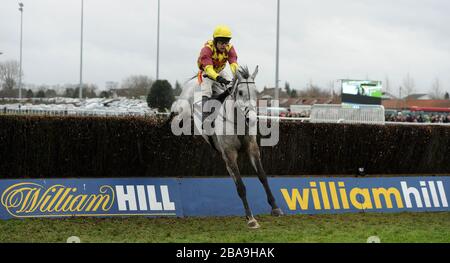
(230,157)
(255,158)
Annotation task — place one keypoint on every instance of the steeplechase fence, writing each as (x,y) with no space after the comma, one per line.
(74,146)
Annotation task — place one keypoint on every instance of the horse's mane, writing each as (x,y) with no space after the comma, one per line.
(243,70)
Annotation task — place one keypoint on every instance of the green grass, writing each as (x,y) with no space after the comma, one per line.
(395,227)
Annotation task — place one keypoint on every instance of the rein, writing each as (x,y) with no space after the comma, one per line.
(233,96)
(239,83)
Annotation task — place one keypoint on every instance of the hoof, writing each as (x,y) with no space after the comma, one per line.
(277,212)
(253,224)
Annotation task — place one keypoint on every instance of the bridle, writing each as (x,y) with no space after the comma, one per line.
(233,95)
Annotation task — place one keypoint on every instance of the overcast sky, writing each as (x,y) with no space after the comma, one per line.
(321,40)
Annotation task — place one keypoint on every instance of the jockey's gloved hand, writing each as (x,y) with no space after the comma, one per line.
(228,91)
(222,80)
(222,96)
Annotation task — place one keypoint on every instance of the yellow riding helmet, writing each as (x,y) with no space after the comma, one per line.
(222,31)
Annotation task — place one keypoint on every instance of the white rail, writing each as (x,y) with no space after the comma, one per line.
(336,113)
(302,119)
(83,112)
(76,112)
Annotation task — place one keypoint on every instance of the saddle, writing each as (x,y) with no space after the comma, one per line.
(220,96)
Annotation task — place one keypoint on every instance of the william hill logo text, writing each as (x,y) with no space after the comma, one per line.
(33,200)
(328,195)
(143,198)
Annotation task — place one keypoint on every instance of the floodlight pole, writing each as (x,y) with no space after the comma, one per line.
(81,51)
(157,43)
(20,67)
(277,52)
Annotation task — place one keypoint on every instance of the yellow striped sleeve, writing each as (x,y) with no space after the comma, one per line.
(209,69)
(234,67)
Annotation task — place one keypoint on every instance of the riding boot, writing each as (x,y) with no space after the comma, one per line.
(222,96)
(205,114)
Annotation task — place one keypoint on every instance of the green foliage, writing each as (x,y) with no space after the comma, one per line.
(292,93)
(287,87)
(69,93)
(29,94)
(178,89)
(40,94)
(73,91)
(88,91)
(50,93)
(161,95)
(105,94)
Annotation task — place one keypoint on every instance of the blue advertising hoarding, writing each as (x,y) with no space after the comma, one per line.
(218,196)
(89,197)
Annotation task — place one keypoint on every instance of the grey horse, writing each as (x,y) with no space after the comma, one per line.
(242,99)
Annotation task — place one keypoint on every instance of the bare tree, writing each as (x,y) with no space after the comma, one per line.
(314,91)
(435,91)
(136,86)
(89,91)
(110,85)
(9,74)
(408,85)
(331,87)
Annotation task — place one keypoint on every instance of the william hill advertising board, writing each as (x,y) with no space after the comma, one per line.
(155,197)
(89,197)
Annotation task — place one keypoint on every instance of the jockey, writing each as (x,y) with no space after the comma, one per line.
(212,60)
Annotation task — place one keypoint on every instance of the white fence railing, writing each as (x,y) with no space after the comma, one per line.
(301,119)
(319,113)
(77,112)
(336,113)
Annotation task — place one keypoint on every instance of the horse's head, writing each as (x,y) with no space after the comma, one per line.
(244,93)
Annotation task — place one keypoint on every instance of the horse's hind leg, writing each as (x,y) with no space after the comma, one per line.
(255,159)
(230,157)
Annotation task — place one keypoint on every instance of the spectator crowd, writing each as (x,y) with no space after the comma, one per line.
(429,117)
